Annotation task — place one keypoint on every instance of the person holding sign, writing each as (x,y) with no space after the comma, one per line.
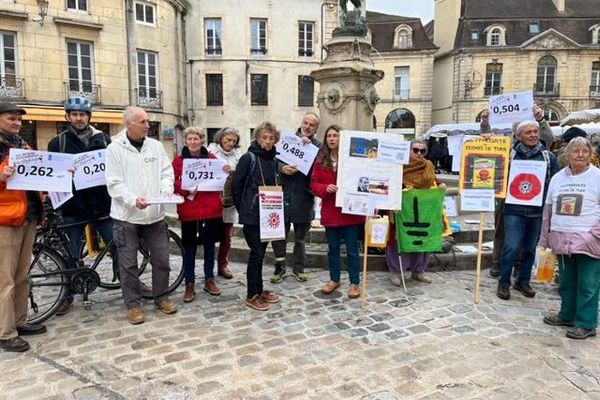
(200,216)
(337,225)
(522,223)
(138,168)
(257,168)
(571,228)
(87,204)
(19,213)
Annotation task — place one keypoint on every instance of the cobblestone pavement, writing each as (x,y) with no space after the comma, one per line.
(434,344)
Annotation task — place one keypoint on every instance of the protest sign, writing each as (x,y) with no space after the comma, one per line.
(57,199)
(271,217)
(89,169)
(509,108)
(393,149)
(40,171)
(419,225)
(292,151)
(484,165)
(203,174)
(164,198)
(526,182)
(477,200)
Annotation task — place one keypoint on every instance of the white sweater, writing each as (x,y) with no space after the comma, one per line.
(131,174)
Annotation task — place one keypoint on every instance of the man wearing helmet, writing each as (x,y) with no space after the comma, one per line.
(87,204)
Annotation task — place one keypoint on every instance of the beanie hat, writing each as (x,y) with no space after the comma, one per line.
(572,133)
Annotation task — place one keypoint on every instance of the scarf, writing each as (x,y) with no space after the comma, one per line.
(419,174)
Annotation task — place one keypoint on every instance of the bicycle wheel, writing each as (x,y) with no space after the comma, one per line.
(47,283)
(175,262)
(102,262)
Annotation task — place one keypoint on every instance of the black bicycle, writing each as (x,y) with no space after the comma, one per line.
(50,276)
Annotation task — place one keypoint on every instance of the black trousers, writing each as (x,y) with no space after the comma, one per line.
(255,260)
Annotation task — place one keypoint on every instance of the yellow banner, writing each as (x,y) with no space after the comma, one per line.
(484,164)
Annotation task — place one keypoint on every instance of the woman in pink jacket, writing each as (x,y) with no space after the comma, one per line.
(337,225)
(571,228)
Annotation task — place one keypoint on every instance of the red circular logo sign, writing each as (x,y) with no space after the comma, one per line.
(525,187)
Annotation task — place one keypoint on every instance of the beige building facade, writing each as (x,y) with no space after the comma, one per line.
(113,52)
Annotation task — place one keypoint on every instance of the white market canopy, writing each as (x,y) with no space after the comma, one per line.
(582,117)
(467,129)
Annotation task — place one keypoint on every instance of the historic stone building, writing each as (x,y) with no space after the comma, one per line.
(488,47)
(113,52)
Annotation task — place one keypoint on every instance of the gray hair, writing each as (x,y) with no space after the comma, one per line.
(522,125)
(129,113)
(227,131)
(192,130)
(578,142)
(314,114)
(266,126)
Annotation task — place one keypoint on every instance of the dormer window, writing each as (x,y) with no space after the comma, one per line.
(534,27)
(595,34)
(496,35)
(474,35)
(403,37)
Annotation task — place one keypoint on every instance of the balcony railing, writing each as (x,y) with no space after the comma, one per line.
(305,52)
(492,90)
(595,91)
(11,88)
(90,91)
(261,51)
(150,98)
(214,51)
(401,94)
(546,89)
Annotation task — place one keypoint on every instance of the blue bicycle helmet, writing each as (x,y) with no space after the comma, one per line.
(78,103)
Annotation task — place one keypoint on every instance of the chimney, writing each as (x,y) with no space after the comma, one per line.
(560,5)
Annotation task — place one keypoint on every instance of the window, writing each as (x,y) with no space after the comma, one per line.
(79,5)
(493,78)
(154,130)
(212,29)
(534,27)
(8,59)
(80,63)
(214,89)
(401,82)
(144,13)
(551,116)
(546,75)
(259,85)
(474,35)
(496,35)
(595,86)
(403,37)
(306,91)
(305,39)
(258,36)
(210,134)
(147,75)
(595,29)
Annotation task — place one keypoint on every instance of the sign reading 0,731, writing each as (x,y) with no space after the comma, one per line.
(203,174)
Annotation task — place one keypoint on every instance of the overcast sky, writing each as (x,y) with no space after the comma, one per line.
(408,8)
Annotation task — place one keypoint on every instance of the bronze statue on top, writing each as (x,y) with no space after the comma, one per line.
(357,27)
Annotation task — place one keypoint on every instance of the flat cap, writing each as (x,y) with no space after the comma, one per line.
(6,107)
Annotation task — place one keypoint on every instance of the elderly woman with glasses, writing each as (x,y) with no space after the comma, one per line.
(571,228)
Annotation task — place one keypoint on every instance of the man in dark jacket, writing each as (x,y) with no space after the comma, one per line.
(299,206)
(87,204)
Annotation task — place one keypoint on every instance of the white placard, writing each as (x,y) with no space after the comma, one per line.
(394,150)
(42,171)
(509,108)
(292,151)
(450,206)
(477,200)
(203,174)
(59,198)
(358,204)
(526,181)
(379,234)
(271,217)
(89,169)
(164,198)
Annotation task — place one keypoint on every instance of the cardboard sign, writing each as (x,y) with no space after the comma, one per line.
(271,217)
(484,165)
(526,182)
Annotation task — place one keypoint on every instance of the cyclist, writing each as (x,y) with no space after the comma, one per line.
(87,204)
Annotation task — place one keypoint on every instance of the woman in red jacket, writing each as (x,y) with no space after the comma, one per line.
(201,218)
(337,225)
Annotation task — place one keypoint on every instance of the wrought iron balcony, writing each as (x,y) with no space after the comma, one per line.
(305,52)
(214,51)
(150,98)
(546,89)
(261,51)
(492,90)
(90,91)
(595,92)
(11,87)
(401,94)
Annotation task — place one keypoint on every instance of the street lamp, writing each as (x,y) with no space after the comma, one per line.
(43,7)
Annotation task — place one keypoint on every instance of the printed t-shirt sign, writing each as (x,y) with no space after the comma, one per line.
(271,217)
(484,165)
(526,182)
(419,225)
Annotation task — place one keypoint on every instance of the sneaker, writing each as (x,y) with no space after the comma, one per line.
(330,287)
(495,271)
(278,275)
(421,278)
(210,287)
(580,333)
(503,292)
(555,320)
(167,306)
(15,344)
(31,329)
(524,288)
(135,315)
(353,292)
(396,279)
(65,306)
(190,293)
(225,272)
(300,275)
(257,303)
(269,297)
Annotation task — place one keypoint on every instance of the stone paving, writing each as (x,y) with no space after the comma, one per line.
(433,344)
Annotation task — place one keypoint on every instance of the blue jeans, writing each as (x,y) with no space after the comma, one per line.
(334,240)
(189,262)
(519,233)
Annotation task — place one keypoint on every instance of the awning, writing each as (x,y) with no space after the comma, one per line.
(57,114)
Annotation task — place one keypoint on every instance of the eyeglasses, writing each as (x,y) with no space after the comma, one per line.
(419,151)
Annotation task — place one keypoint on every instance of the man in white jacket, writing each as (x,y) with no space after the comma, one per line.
(138,167)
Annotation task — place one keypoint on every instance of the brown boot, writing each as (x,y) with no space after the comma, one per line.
(225,272)
(167,306)
(190,293)
(211,287)
(135,315)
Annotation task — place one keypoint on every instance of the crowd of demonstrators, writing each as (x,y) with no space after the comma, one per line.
(299,207)
(138,167)
(201,216)
(20,211)
(91,204)
(337,225)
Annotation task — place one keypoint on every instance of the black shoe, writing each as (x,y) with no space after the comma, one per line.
(31,329)
(580,333)
(495,271)
(524,288)
(65,306)
(555,320)
(15,344)
(503,292)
